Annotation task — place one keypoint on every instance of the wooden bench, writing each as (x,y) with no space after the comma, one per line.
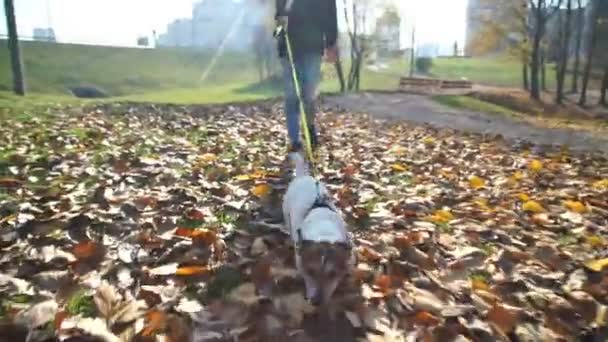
(407,83)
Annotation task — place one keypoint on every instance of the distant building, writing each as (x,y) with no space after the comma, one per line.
(213,20)
(44,34)
(388,33)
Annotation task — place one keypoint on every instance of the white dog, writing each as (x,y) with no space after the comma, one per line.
(322,242)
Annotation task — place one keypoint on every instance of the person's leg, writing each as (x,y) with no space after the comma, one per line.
(311,75)
(292,112)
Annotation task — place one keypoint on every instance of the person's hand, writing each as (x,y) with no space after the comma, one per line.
(331,54)
(282,21)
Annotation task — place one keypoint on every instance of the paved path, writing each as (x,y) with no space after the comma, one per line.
(421,109)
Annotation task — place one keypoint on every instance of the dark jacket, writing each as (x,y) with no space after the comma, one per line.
(312,26)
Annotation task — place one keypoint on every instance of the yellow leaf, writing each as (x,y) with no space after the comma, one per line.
(398,168)
(479,284)
(597,265)
(518,175)
(533,206)
(602,184)
(261,190)
(477,182)
(208,157)
(595,241)
(441,216)
(535,165)
(446,215)
(429,140)
(576,206)
(523,197)
(252,176)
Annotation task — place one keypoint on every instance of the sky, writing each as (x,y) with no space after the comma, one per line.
(120,22)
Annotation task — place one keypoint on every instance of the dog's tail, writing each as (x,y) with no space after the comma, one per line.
(300,164)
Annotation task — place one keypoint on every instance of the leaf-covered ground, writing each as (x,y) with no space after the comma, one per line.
(144,223)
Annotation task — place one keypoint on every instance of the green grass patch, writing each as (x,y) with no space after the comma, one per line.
(81,304)
(494,71)
(473,104)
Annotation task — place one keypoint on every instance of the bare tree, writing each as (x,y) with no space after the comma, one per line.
(340,72)
(540,12)
(564,51)
(580,23)
(590,50)
(357,41)
(13,45)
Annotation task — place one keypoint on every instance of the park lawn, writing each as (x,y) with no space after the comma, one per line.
(34,104)
(473,104)
(495,71)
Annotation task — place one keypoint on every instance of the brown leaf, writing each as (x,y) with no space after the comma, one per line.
(85,250)
(10,183)
(195,214)
(59,317)
(178,330)
(425,318)
(155,322)
(261,190)
(261,274)
(504,317)
(368,254)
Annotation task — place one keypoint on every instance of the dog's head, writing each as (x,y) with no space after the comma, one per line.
(325,264)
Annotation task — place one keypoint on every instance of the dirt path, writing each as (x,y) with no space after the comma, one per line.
(421,109)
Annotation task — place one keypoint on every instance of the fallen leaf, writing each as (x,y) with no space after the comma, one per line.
(523,197)
(535,165)
(9,183)
(425,318)
(429,140)
(576,206)
(261,190)
(479,284)
(208,158)
(533,206)
(476,182)
(595,241)
(398,168)
(192,271)
(195,214)
(368,254)
(441,216)
(86,250)
(597,265)
(155,322)
(601,184)
(505,318)
(383,283)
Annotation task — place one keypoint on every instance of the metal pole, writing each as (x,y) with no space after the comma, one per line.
(412,55)
(13,45)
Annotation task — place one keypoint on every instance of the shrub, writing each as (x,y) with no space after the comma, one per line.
(424,64)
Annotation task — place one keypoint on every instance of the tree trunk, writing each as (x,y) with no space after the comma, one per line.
(13,45)
(604,87)
(543,70)
(525,75)
(536,58)
(589,62)
(340,73)
(579,38)
(564,52)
